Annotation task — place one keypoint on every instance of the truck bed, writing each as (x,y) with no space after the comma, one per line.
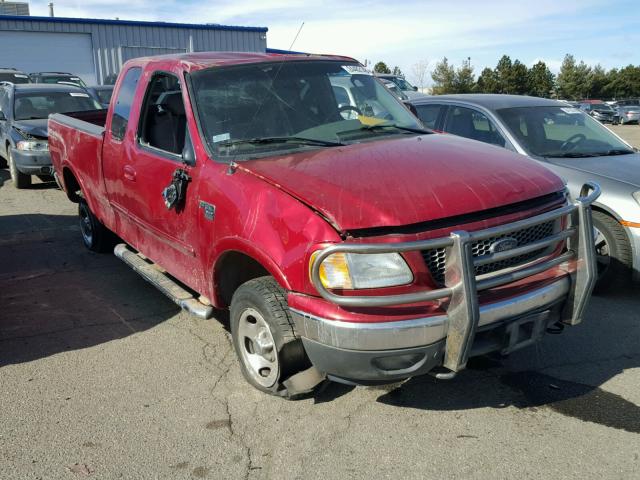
(75,144)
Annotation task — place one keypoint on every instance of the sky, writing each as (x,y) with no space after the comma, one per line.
(409,32)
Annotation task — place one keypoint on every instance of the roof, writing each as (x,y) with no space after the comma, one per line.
(201,60)
(494,101)
(139,23)
(46,87)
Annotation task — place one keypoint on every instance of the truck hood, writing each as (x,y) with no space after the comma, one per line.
(397,182)
(37,128)
(623,168)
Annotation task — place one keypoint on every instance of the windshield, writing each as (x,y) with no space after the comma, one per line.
(602,107)
(14,77)
(63,78)
(561,132)
(324,102)
(402,83)
(31,106)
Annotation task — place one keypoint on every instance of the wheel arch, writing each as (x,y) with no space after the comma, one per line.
(237,265)
(72,186)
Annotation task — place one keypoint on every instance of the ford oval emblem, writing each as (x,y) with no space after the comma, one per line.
(504,244)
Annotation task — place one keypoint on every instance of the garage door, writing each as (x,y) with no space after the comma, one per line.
(48,52)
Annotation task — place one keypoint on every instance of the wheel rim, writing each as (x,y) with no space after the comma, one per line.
(85,226)
(257,348)
(603,252)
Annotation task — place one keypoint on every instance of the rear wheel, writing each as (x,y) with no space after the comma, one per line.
(95,236)
(20,180)
(613,253)
(264,336)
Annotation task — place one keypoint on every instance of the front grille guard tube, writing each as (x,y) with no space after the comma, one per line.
(460,279)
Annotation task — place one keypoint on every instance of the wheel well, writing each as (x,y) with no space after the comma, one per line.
(597,208)
(71,185)
(232,270)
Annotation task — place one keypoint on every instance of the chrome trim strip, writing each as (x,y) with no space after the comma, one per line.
(420,331)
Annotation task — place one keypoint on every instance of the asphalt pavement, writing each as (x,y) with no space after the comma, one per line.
(103,377)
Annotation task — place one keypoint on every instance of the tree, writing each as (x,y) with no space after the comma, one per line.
(443,76)
(573,78)
(487,82)
(396,71)
(540,80)
(518,84)
(419,71)
(464,80)
(503,74)
(381,67)
(597,82)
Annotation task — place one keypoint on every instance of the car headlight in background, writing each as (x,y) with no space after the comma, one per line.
(363,270)
(33,145)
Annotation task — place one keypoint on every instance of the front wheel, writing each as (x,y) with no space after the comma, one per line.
(20,180)
(613,253)
(264,336)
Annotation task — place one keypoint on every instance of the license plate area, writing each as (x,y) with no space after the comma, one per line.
(525,331)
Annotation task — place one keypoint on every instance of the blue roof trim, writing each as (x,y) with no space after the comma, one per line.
(286,52)
(139,23)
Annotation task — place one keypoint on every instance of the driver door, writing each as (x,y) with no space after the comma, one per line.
(166,235)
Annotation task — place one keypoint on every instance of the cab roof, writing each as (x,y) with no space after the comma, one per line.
(202,60)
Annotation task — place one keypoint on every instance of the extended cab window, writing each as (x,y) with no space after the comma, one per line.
(472,124)
(122,107)
(163,123)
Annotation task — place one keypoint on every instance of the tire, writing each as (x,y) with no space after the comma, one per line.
(95,236)
(613,252)
(20,180)
(264,336)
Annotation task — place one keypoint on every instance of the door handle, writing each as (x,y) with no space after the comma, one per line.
(130,173)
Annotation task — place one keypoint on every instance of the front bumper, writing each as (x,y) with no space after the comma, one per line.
(32,162)
(415,346)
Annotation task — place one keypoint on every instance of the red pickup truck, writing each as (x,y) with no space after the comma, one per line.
(347,241)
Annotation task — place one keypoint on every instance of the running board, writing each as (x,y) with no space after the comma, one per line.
(167,285)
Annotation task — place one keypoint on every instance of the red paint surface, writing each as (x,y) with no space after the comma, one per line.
(279,210)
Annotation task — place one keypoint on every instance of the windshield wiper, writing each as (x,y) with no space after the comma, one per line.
(615,151)
(385,126)
(571,155)
(268,140)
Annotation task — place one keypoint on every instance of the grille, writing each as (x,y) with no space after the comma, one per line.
(436,258)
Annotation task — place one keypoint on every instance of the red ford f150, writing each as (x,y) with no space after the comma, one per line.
(347,241)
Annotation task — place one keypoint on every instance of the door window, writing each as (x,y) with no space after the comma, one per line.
(429,114)
(122,107)
(163,123)
(473,124)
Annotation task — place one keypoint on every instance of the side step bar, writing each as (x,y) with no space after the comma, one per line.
(170,287)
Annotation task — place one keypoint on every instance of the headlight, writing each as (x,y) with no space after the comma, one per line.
(363,270)
(33,145)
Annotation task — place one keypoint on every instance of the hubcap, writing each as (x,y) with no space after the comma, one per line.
(603,253)
(85,226)
(257,348)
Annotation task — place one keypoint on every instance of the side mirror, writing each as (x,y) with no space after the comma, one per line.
(3,117)
(188,153)
(415,89)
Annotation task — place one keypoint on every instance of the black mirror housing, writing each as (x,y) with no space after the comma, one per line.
(188,152)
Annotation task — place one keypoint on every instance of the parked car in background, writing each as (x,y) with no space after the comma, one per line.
(364,250)
(393,88)
(12,75)
(57,77)
(629,114)
(101,93)
(404,86)
(24,110)
(571,144)
(600,111)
